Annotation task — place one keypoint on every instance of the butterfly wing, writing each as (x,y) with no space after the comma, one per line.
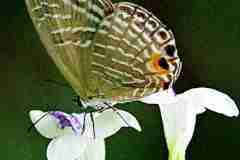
(67,28)
(134,54)
(117,52)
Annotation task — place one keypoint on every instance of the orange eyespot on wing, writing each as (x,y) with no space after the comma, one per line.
(158,64)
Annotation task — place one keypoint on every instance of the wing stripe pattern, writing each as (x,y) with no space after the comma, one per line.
(134,35)
(67,28)
(114,49)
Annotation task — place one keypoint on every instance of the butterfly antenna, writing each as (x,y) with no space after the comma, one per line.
(119,114)
(29,129)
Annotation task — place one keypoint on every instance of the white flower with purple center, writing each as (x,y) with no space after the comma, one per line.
(179,114)
(80,136)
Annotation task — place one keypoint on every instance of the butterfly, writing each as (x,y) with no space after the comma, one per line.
(107,52)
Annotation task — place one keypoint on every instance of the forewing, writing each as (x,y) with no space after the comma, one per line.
(67,28)
(134,54)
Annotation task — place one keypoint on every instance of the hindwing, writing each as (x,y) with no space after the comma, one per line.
(107,51)
(131,56)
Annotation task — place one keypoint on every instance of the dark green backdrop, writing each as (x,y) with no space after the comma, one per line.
(208,37)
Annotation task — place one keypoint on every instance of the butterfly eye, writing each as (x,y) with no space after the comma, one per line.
(170,49)
(163,63)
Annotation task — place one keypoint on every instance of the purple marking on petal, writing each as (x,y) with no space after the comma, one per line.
(66,120)
(76,125)
(63,119)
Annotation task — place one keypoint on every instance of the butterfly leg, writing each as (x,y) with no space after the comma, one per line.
(93,125)
(84,123)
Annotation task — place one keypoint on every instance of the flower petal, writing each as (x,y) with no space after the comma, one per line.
(128,120)
(73,147)
(179,118)
(94,151)
(211,99)
(108,123)
(47,125)
(162,97)
(178,121)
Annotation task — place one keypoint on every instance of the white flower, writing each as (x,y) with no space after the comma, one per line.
(179,114)
(69,142)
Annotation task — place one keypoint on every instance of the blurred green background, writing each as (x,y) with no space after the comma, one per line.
(208,37)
